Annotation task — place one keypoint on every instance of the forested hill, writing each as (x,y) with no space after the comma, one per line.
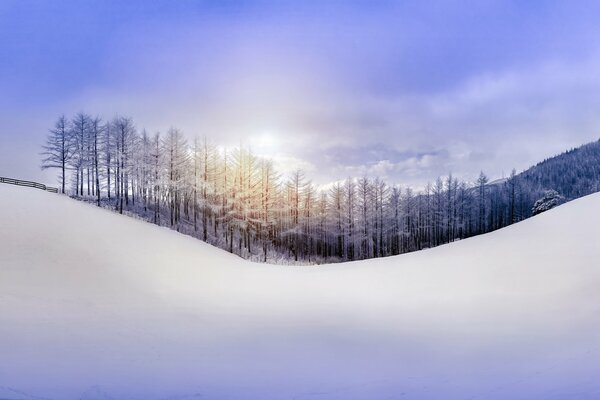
(573,174)
(567,176)
(238,201)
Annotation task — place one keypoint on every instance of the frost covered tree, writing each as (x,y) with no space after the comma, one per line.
(58,149)
(481,200)
(156,165)
(364,195)
(96,132)
(550,200)
(124,131)
(397,238)
(174,147)
(295,190)
(350,219)
(309,218)
(79,137)
(512,189)
(269,206)
(336,219)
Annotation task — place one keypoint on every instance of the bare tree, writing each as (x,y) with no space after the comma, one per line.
(124,130)
(79,135)
(96,130)
(58,150)
(481,199)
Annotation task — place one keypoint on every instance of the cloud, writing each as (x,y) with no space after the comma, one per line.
(491,122)
(346,88)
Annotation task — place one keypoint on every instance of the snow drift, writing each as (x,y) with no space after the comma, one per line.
(96,306)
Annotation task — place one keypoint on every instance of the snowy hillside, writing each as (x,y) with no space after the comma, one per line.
(97,306)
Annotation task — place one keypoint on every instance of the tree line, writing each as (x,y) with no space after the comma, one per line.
(237,201)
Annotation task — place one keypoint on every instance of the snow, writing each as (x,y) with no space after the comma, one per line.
(98,306)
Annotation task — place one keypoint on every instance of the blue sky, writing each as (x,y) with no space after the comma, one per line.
(404,90)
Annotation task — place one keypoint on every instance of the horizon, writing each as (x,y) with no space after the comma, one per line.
(491,88)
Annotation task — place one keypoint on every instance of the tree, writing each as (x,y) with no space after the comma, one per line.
(336,195)
(156,160)
(550,200)
(79,137)
(308,218)
(438,212)
(196,158)
(176,154)
(481,184)
(364,201)
(380,192)
(268,205)
(96,130)
(145,163)
(108,154)
(323,244)
(58,150)
(511,184)
(124,131)
(350,208)
(295,189)
(207,167)
(395,210)
(407,228)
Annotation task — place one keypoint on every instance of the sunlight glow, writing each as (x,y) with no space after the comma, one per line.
(265,143)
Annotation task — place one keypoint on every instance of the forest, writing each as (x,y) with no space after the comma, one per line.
(237,201)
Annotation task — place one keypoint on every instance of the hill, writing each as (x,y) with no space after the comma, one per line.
(573,174)
(115,308)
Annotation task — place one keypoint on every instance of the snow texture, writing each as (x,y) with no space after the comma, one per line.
(98,306)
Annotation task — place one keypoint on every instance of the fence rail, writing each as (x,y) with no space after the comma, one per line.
(36,185)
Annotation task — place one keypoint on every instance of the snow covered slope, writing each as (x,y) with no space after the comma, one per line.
(97,306)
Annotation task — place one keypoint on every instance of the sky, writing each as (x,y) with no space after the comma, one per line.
(406,91)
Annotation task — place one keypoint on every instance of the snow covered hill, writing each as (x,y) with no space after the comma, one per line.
(97,306)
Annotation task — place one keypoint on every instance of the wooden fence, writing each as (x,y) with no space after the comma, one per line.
(36,185)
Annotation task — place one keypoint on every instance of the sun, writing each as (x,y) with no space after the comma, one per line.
(265,141)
